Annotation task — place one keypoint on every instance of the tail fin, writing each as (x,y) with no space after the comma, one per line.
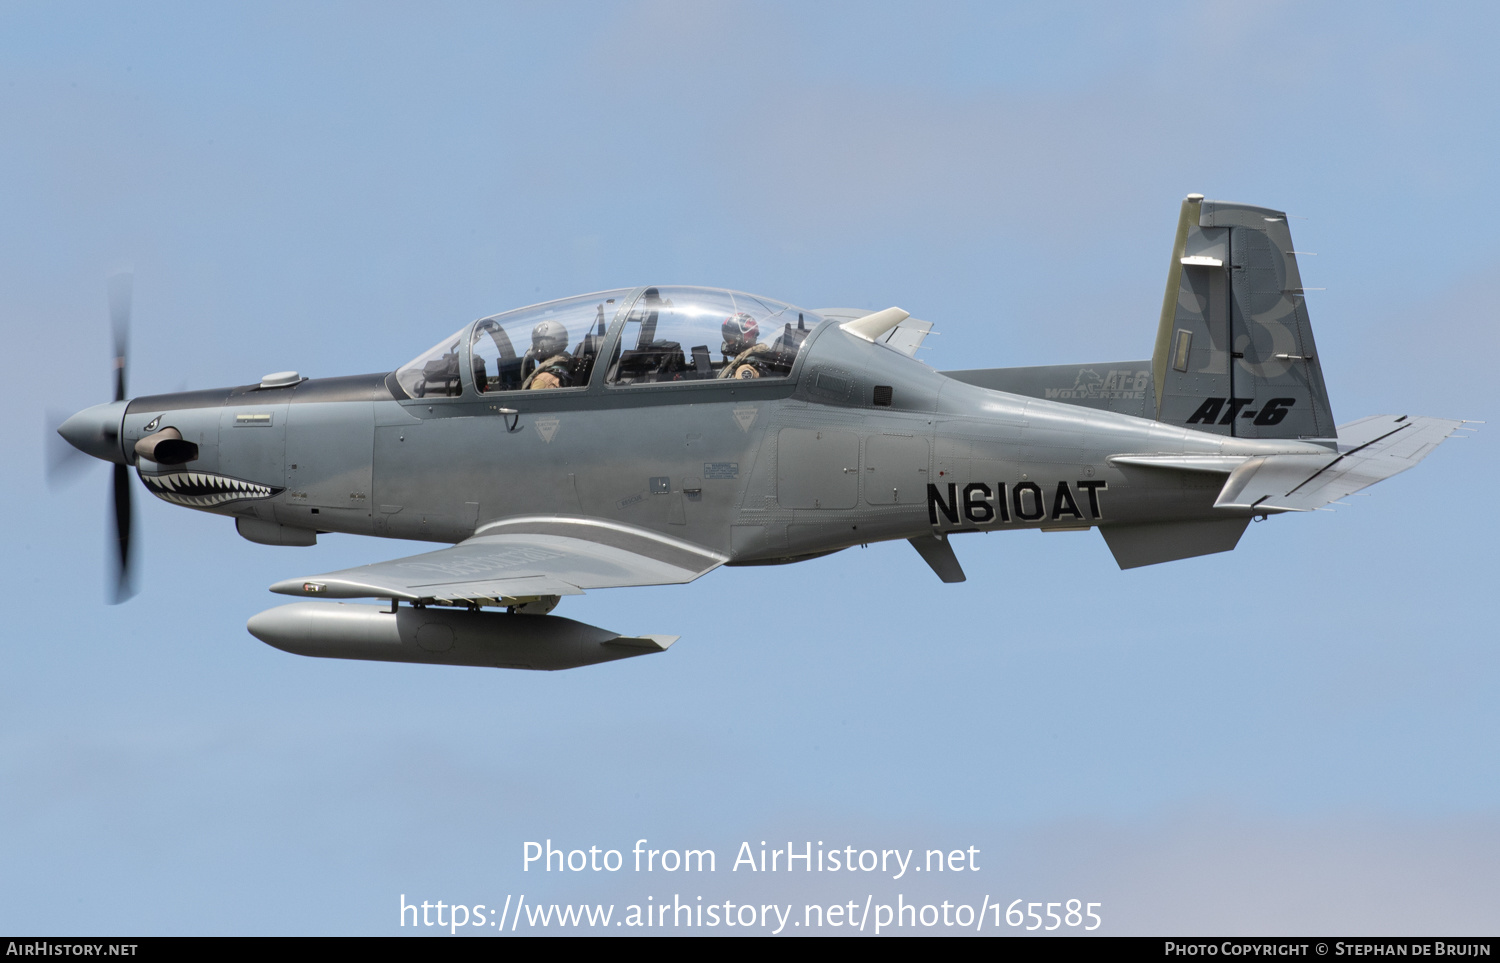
(1234,351)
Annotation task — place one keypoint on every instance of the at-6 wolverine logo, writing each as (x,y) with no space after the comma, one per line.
(1027,502)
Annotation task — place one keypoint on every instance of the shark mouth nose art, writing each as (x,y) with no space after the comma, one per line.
(202,489)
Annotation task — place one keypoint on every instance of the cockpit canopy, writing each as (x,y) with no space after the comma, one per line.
(663,335)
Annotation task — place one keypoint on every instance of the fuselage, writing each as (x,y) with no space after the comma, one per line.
(858,443)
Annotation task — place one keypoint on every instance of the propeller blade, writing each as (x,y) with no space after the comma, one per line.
(124,582)
(121,288)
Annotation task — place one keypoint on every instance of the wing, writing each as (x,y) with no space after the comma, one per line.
(519,559)
(1370,450)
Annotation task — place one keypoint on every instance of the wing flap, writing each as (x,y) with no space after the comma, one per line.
(520,559)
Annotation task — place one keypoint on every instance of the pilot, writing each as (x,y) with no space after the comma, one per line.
(549,352)
(744,355)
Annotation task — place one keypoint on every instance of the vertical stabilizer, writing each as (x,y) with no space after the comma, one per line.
(1234,350)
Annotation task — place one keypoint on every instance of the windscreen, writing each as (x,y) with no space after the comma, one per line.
(434,373)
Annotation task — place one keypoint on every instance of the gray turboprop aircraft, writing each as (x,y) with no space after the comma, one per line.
(648,436)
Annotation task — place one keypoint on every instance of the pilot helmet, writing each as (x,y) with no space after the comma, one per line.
(740,333)
(549,338)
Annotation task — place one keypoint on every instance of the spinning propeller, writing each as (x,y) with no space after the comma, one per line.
(96,432)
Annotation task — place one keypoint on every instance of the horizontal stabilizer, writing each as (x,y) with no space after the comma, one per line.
(1370,450)
(873,327)
(906,336)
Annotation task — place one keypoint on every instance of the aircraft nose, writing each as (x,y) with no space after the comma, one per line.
(96,431)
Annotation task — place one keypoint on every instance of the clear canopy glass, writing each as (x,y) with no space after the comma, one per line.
(552,345)
(434,373)
(707,334)
(671,334)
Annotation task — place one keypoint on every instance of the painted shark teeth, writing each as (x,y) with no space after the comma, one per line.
(201,489)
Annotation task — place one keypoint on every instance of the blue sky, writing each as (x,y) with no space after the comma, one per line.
(1298,736)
